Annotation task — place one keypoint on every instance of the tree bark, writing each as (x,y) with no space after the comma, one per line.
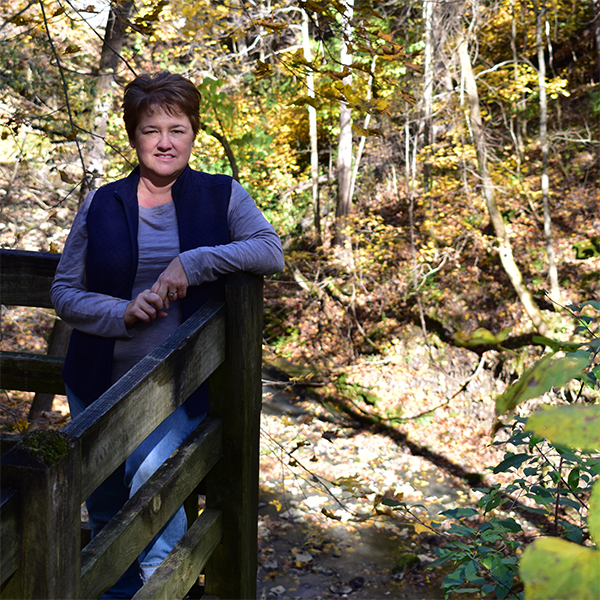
(545,183)
(114,38)
(312,130)
(514,121)
(597,36)
(504,247)
(363,139)
(596,4)
(428,8)
(235,172)
(344,161)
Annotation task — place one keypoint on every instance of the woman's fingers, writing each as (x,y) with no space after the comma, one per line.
(145,307)
(172,283)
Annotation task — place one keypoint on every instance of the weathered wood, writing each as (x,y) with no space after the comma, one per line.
(117,546)
(44,468)
(179,571)
(115,424)
(9,533)
(232,486)
(57,346)
(31,372)
(26,277)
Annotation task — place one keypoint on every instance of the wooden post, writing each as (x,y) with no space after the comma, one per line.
(232,485)
(45,468)
(9,533)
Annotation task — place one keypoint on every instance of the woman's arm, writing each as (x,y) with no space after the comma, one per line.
(255,246)
(87,311)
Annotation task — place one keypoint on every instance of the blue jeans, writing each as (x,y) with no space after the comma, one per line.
(109,497)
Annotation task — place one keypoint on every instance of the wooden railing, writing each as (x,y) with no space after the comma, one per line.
(47,475)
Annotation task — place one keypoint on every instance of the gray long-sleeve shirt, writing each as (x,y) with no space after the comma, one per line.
(255,248)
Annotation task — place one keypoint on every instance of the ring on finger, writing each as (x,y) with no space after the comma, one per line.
(172,294)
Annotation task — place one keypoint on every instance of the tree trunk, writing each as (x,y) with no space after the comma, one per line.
(428,8)
(312,129)
(235,172)
(344,161)
(504,247)
(514,121)
(552,269)
(596,4)
(114,38)
(363,139)
(597,35)
(93,152)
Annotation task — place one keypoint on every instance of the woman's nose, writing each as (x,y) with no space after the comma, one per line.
(164,140)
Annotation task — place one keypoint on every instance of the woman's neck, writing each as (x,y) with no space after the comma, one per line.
(150,195)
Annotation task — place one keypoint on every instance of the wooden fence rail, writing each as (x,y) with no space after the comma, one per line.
(47,475)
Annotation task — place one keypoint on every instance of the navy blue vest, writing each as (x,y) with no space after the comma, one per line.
(201,203)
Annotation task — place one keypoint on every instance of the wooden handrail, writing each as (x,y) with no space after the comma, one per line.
(115,424)
(118,545)
(31,372)
(26,277)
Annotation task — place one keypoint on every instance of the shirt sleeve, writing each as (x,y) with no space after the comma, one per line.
(90,312)
(255,247)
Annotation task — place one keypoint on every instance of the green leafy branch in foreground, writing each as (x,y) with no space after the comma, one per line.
(485,554)
(484,550)
(553,567)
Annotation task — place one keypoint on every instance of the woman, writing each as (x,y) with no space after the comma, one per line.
(144,254)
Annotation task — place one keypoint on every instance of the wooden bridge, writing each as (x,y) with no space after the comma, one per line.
(46,476)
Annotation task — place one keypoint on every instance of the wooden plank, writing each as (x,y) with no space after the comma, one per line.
(180,570)
(31,372)
(26,277)
(118,545)
(9,533)
(232,486)
(44,468)
(112,427)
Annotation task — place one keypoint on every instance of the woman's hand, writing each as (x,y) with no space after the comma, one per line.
(172,283)
(146,307)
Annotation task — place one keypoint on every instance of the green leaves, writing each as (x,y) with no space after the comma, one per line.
(547,373)
(511,461)
(554,569)
(481,337)
(574,426)
(479,554)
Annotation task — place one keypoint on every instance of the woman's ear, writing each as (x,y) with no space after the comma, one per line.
(132,143)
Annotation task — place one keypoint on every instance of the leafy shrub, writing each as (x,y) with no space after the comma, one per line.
(554,455)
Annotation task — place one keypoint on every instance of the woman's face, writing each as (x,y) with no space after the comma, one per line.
(163,143)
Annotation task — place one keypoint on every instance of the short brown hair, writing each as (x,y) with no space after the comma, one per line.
(168,91)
